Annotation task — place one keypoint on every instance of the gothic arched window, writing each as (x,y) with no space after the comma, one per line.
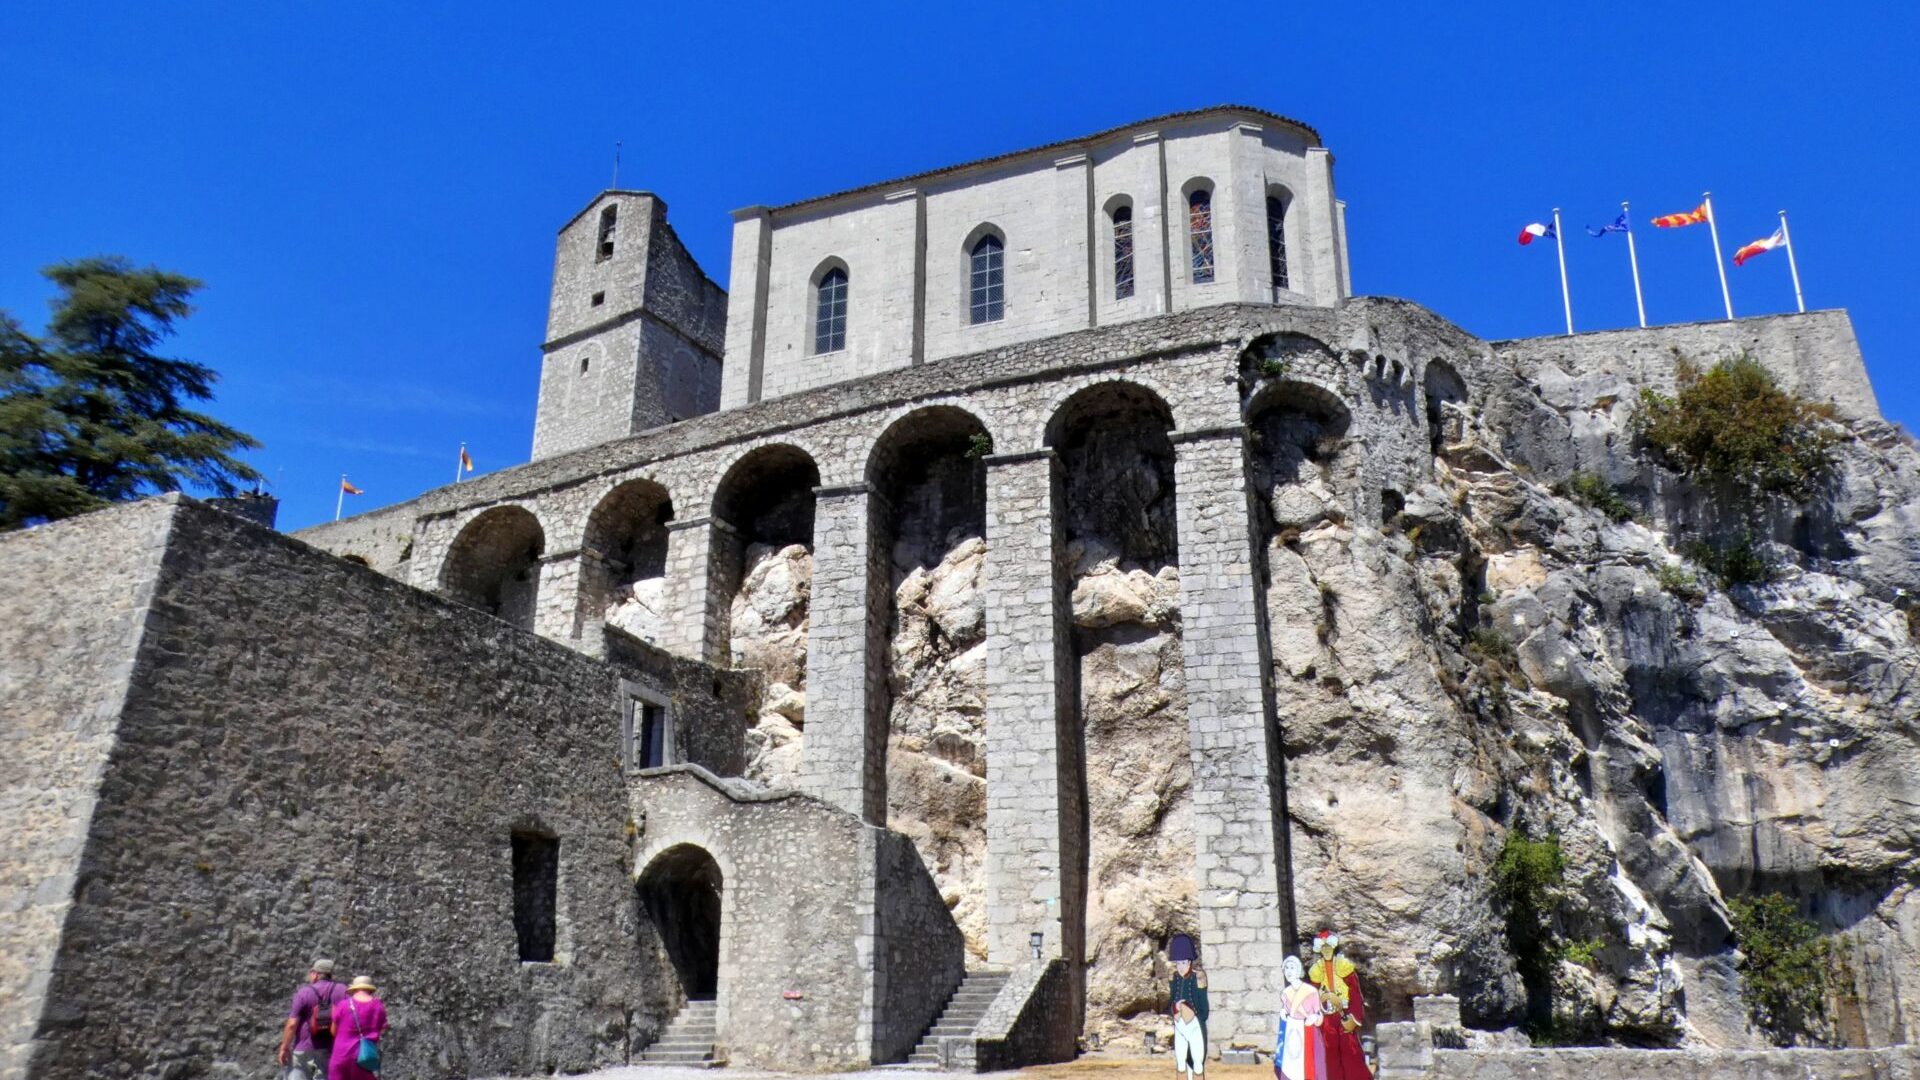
(1277,240)
(1200,234)
(830,312)
(987,280)
(1122,252)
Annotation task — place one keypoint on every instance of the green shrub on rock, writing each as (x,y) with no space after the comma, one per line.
(1734,423)
(1784,968)
(1592,489)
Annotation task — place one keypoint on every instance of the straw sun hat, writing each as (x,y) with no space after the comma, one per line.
(362,982)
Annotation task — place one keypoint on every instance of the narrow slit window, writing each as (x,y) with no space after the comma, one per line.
(536,887)
(608,219)
(650,744)
(1122,252)
(599,298)
(1200,234)
(830,312)
(1277,241)
(987,281)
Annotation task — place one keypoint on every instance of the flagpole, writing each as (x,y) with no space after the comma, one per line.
(1791,264)
(1633,258)
(458,462)
(1720,264)
(340,499)
(1560,243)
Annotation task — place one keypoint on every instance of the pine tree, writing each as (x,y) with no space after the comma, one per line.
(90,415)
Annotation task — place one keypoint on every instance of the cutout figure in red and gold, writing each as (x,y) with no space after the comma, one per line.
(1339,986)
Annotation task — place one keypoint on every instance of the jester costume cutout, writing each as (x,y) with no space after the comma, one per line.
(1339,986)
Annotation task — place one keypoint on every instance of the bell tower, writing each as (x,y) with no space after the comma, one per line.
(635,329)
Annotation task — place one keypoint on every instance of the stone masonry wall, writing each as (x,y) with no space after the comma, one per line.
(313,760)
(808,894)
(71,620)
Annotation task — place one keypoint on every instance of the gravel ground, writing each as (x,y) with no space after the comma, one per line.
(1090,1067)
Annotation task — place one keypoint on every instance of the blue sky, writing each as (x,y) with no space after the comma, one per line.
(371,191)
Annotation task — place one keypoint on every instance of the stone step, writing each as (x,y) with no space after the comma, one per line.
(670,1042)
(704,1027)
(677,1057)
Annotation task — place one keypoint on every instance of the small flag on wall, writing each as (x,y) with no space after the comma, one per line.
(1692,217)
(466,459)
(1538,231)
(1778,238)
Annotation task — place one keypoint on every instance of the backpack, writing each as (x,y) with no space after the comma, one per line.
(321,1025)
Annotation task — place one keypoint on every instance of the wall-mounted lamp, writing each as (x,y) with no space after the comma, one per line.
(1037,939)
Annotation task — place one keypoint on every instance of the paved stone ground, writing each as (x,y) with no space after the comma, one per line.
(1086,1068)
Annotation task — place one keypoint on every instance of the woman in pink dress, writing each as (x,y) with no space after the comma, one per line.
(360,1015)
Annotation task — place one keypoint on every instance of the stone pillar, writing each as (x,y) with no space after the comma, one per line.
(556,603)
(703,565)
(845,750)
(1035,813)
(1240,864)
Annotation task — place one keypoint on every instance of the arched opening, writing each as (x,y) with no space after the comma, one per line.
(830,307)
(623,564)
(986,275)
(763,566)
(1120,554)
(1200,229)
(1120,215)
(494,564)
(1446,394)
(680,896)
(928,474)
(1278,200)
(1303,472)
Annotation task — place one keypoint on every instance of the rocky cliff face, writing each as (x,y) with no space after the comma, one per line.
(769,617)
(1499,657)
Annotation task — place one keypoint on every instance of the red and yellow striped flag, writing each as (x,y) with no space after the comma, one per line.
(349,488)
(466,461)
(1692,217)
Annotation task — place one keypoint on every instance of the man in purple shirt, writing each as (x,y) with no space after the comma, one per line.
(303,1052)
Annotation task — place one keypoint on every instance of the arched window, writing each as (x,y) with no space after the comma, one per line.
(1200,234)
(1122,252)
(987,280)
(608,219)
(830,312)
(1277,240)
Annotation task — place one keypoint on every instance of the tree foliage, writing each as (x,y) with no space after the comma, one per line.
(91,415)
(1734,423)
(1527,880)
(1784,968)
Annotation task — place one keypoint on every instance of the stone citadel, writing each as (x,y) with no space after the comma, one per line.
(879,660)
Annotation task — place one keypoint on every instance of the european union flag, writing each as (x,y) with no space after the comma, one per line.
(1619,225)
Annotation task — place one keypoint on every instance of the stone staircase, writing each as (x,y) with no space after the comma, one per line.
(689,1037)
(962,1014)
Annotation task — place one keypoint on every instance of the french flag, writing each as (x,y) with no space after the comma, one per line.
(1537,231)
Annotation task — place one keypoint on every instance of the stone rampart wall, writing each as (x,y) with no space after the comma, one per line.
(315,760)
(71,619)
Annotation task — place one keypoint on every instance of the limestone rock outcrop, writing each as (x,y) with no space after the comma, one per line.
(1498,657)
(637,609)
(769,617)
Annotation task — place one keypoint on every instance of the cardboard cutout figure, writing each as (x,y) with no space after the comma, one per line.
(1187,1000)
(1339,985)
(1299,1052)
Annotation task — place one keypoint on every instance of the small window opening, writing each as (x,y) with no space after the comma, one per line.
(1122,252)
(584,361)
(651,751)
(987,281)
(536,885)
(608,218)
(599,298)
(830,312)
(1200,232)
(1277,241)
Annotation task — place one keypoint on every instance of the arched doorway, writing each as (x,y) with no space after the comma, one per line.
(680,895)
(494,564)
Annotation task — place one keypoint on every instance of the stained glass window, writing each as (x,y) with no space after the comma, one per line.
(1200,231)
(988,280)
(1122,252)
(1277,240)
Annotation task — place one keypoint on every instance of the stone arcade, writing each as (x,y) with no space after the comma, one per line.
(1021,563)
